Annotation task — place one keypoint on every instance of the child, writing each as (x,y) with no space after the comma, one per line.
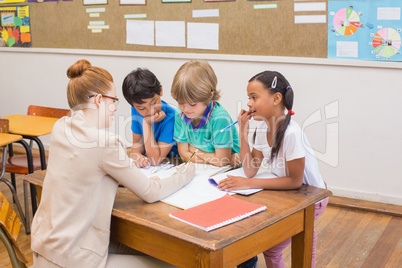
(200,118)
(279,140)
(72,225)
(152,118)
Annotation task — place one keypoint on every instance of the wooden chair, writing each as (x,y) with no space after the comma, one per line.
(17,164)
(10,226)
(4,124)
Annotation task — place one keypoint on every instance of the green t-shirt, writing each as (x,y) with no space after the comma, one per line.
(207,137)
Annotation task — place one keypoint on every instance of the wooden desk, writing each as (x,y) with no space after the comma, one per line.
(32,127)
(148,228)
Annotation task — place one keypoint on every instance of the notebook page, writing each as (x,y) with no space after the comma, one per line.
(261,174)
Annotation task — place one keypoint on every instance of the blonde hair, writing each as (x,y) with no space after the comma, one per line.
(195,81)
(86,80)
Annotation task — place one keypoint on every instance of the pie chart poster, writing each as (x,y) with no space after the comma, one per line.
(365,30)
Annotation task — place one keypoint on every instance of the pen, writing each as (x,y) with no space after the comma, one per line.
(234,123)
(188,160)
(161,166)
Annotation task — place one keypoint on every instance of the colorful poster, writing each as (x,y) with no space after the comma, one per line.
(15,28)
(11,1)
(365,30)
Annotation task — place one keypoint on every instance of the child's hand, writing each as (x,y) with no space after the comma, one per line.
(235,160)
(233,183)
(243,118)
(140,160)
(156,117)
(192,148)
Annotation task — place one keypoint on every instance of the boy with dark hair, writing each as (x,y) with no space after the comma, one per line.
(152,118)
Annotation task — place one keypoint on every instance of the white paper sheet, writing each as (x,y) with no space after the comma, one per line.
(205,13)
(197,191)
(347,49)
(311,19)
(133,2)
(389,13)
(261,174)
(95,2)
(203,35)
(140,32)
(320,6)
(170,33)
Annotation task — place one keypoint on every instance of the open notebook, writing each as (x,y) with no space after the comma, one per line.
(217,213)
(261,174)
(197,191)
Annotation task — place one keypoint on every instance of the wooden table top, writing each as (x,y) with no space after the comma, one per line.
(6,138)
(280,204)
(30,125)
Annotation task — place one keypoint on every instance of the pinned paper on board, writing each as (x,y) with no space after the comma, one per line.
(94,2)
(133,2)
(11,1)
(219,0)
(15,27)
(176,1)
(203,35)
(40,1)
(140,32)
(170,33)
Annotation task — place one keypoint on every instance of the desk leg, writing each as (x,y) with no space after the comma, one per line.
(43,167)
(208,259)
(302,243)
(39,192)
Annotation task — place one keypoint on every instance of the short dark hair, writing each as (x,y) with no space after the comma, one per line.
(140,84)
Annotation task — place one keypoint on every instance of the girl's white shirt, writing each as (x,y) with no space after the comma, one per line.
(294,146)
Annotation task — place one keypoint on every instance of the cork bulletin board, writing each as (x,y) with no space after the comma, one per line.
(243,30)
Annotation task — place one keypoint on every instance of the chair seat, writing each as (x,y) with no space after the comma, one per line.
(16,169)
(21,160)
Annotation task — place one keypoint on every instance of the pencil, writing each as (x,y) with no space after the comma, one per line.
(234,123)
(188,160)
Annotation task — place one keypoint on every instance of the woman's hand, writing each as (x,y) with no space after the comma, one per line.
(139,160)
(188,170)
(234,183)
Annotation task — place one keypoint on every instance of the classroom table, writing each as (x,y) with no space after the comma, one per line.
(5,140)
(32,127)
(149,229)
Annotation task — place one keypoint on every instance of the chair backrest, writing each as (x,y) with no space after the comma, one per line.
(4,125)
(47,111)
(10,225)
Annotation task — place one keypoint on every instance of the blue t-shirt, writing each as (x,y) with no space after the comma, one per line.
(163,130)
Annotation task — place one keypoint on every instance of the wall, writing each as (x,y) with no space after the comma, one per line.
(357,140)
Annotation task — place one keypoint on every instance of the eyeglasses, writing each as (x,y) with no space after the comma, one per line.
(115,99)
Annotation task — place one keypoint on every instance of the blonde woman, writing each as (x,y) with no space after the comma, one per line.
(86,165)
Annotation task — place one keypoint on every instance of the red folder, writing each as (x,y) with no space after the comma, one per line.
(217,213)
